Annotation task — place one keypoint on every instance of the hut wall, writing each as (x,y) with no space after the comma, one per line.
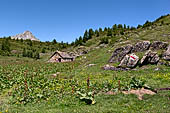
(55,58)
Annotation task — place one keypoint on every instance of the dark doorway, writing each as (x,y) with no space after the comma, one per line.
(59,60)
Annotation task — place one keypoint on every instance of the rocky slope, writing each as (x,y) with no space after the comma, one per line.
(142,53)
(26,35)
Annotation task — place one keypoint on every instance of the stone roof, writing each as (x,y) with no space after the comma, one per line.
(62,54)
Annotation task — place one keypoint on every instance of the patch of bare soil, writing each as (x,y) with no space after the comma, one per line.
(139,92)
(110,93)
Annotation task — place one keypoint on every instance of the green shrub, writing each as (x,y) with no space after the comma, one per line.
(104,40)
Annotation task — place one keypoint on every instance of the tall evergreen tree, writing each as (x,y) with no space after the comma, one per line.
(120,26)
(24,53)
(109,32)
(43,50)
(54,41)
(91,33)
(86,36)
(29,42)
(37,56)
(5,45)
(124,26)
(114,27)
(76,42)
(100,30)
(80,40)
(147,23)
(105,29)
(139,26)
(97,33)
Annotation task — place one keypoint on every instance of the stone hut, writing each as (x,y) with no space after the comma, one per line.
(59,56)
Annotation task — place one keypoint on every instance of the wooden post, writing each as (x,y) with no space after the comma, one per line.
(88,82)
(119,88)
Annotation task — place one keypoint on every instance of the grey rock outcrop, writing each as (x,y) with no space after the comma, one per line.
(158,45)
(26,35)
(129,61)
(166,55)
(119,53)
(141,46)
(150,58)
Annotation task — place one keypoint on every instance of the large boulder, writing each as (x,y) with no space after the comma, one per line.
(166,55)
(119,53)
(129,61)
(141,46)
(158,45)
(150,57)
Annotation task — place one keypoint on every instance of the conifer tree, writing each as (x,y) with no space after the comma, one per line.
(86,36)
(124,26)
(109,33)
(100,30)
(97,33)
(24,54)
(54,41)
(5,46)
(91,33)
(114,27)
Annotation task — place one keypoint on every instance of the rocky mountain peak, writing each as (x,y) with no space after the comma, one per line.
(26,35)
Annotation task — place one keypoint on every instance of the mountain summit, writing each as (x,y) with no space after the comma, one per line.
(26,35)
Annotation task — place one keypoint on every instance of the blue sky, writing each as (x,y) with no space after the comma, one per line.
(65,20)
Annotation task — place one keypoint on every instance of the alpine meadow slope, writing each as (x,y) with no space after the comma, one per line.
(82,86)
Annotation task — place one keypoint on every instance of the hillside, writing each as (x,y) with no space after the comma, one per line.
(29,85)
(116,36)
(158,30)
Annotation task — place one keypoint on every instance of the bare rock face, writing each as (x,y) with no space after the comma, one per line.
(26,35)
(158,45)
(150,58)
(129,61)
(141,46)
(119,53)
(166,55)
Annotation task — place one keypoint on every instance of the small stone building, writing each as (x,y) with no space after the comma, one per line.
(59,56)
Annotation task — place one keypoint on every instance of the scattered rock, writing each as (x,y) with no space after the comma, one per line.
(85,57)
(109,51)
(119,53)
(166,55)
(141,46)
(73,54)
(129,61)
(161,62)
(158,45)
(139,92)
(55,75)
(157,69)
(108,67)
(102,45)
(15,52)
(150,58)
(110,93)
(89,65)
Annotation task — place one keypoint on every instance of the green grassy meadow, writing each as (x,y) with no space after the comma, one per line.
(29,86)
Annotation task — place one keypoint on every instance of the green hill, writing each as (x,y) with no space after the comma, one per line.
(29,85)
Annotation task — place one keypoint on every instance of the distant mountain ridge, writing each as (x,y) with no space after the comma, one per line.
(26,35)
